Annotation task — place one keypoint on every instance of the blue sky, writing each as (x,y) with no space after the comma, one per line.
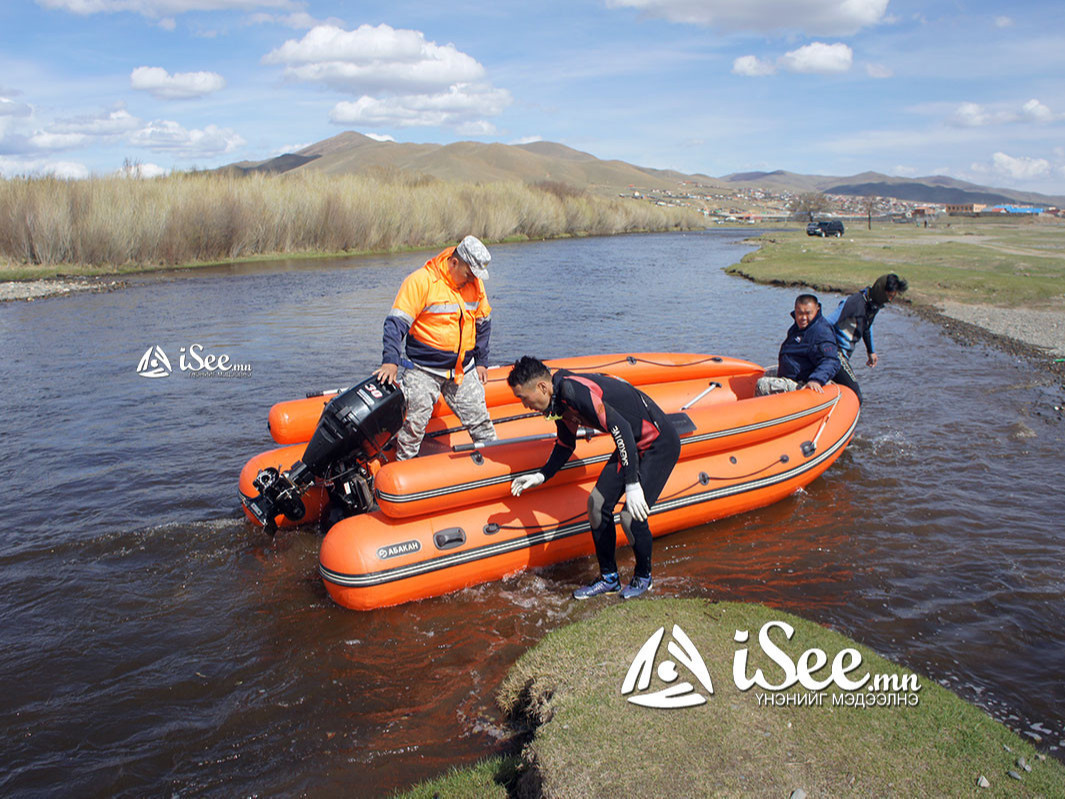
(965,88)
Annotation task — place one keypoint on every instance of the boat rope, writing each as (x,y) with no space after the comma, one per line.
(633,360)
(703,480)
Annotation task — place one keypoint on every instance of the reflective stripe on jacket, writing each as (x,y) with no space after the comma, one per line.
(445,326)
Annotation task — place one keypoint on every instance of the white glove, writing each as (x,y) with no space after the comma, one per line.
(635,502)
(519,484)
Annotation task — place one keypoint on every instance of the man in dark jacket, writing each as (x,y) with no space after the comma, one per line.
(808,357)
(647,448)
(853,320)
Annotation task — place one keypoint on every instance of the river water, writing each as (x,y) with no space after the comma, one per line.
(152,642)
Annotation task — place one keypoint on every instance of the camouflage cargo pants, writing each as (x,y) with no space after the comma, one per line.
(422,388)
(771,384)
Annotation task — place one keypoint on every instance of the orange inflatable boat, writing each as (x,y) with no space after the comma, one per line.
(404,530)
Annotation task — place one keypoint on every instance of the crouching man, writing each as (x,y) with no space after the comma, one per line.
(646,450)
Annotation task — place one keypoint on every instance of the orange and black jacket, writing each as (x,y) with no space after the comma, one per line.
(604,403)
(447,328)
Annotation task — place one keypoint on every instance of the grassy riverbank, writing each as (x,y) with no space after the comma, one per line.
(996,262)
(109,225)
(587,740)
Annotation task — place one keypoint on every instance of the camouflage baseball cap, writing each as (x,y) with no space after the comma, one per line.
(476,255)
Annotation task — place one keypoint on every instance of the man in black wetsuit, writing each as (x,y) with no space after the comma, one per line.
(853,321)
(647,448)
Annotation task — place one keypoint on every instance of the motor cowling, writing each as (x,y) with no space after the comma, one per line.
(355,427)
(358,423)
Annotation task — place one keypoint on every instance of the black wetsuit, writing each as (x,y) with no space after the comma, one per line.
(647,448)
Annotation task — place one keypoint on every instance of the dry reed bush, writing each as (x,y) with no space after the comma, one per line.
(188,218)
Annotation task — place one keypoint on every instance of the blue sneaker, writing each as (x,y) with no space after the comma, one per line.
(607,584)
(638,586)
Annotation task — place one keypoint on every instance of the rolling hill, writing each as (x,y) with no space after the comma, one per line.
(351,152)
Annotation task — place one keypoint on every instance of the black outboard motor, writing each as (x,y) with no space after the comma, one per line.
(354,428)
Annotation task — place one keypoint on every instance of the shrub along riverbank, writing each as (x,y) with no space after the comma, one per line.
(111,224)
(586,739)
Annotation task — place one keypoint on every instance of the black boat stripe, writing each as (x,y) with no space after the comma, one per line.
(543,535)
(399,499)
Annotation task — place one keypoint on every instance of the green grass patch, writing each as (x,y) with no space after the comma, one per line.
(590,740)
(487,779)
(1008,264)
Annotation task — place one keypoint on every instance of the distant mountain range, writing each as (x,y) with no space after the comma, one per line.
(931,189)
(352,152)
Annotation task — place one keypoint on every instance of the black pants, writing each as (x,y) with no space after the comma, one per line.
(845,377)
(656,464)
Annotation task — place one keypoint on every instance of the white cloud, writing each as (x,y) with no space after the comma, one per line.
(155,9)
(11,108)
(528,140)
(1037,112)
(180,86)
(370,60)
(974,115)
(1023,168)
(815,17)
(818,58)
(139,170)
(1003,22)
(879,71)
(68,170)
(752,67)
(398,77)
(168,136)
(478,127)
(380,137)
(461,106)
(108,123)
(290,148)
(299,20)
(903,171)
(45,140)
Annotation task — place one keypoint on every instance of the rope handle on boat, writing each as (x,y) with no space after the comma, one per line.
(502,420)
(582,432)
(713,384)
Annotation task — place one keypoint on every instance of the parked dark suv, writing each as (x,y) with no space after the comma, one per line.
(832,227)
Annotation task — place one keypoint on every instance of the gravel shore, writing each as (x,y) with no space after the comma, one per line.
(38,289)
(1044,329)
(1036,335)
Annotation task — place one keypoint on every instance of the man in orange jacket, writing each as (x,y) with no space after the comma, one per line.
(443,312)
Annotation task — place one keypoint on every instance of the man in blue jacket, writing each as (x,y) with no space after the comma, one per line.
(809,357)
